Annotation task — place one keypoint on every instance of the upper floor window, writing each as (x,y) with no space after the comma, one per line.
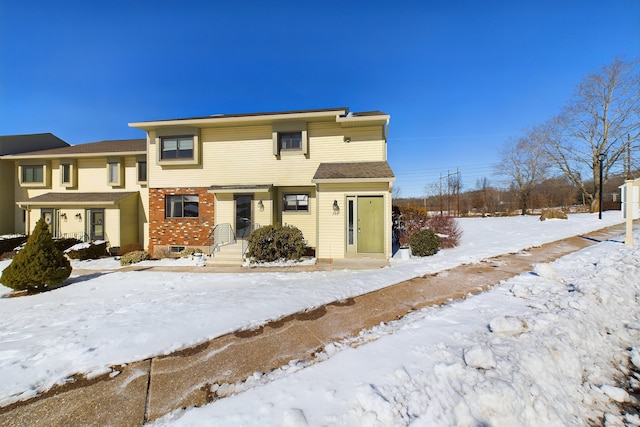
(180,147)
(296,203)
(114,173)
(33,173)
(290,140)
(142,171)
(65,173)
(181,206)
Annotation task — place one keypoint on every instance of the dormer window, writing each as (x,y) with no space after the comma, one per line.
(176,147)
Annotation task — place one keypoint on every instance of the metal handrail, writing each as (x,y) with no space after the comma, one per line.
(223,234)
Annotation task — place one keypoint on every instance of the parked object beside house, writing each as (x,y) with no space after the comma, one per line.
(214,179)
(11,217)
(93,191)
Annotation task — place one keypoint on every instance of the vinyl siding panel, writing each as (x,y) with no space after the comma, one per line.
(332,228)
(129,230)
(305,221)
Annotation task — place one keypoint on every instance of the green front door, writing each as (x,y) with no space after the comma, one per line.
(370,212)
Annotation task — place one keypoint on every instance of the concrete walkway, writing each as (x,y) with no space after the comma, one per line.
(148,389)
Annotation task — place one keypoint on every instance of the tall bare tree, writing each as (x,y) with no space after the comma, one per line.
(602,119)
(524,163)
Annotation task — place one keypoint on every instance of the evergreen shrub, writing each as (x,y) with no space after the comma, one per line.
(134,257)
(91,251)
(274,242)
(39,265)
(424,243)
(65,243)
(8,245)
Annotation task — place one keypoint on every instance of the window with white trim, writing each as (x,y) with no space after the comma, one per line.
(295,202)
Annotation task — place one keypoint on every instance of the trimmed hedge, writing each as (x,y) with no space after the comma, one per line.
(134,257)
(93,251)
(275,242)
(424,243)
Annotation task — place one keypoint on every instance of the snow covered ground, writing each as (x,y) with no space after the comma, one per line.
(439,366)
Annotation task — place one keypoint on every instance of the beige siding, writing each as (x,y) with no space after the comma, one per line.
(8,213)
(332,227)
(129,228)
(305,221)
(244,155)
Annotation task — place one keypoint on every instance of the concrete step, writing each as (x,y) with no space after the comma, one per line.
(227,255)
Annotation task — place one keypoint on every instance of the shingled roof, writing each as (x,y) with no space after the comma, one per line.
(374,171)
(14,144)
(101,147)
(78,198)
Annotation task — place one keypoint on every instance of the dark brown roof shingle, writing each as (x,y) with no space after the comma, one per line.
(79,197)
(353,170)
(101,147)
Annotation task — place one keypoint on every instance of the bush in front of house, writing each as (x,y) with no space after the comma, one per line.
(275,242)
(39,265)
(9,243)
(187,252)
(447,228)
(89,250)
(131,247)
(406,221)
(65,243)
(134,257)
(424,243)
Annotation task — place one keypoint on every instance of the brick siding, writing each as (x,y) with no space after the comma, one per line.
(165,232)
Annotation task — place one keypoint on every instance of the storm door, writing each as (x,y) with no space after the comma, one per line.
(96,224)
(49,216)
(243,216)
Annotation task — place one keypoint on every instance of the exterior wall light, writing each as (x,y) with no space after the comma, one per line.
(79,215)
(260,206)
(347,139)
(63,216)
(336,208)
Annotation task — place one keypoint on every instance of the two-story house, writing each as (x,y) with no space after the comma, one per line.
(95,191)
(11,217)
(213,179)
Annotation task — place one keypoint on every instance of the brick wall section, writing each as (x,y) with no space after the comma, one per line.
(165,232)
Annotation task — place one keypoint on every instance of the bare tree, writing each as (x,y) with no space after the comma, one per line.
(524,164)
(602,120)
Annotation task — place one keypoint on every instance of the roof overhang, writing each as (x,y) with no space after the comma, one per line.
(76,200)
(240,189)
(74,156)
(243,119)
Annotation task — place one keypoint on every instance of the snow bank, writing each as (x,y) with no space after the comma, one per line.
(535,351)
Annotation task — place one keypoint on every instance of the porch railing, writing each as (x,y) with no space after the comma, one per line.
(222,234)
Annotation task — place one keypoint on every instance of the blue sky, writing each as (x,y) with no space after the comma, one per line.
(458,77)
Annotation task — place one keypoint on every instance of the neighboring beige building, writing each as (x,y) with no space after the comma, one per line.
(213,179)
(11,217)
(94,191)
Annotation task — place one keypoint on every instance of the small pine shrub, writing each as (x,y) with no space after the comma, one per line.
(92,251)
(274,242)
(447,228)
(131,247)
(39,265)
(424,243)
(134,257)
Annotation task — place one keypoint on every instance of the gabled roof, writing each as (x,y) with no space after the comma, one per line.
(83,199)
(113,147)
(360,171)
(14,144)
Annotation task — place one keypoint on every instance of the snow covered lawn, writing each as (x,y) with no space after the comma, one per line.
(117,317)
